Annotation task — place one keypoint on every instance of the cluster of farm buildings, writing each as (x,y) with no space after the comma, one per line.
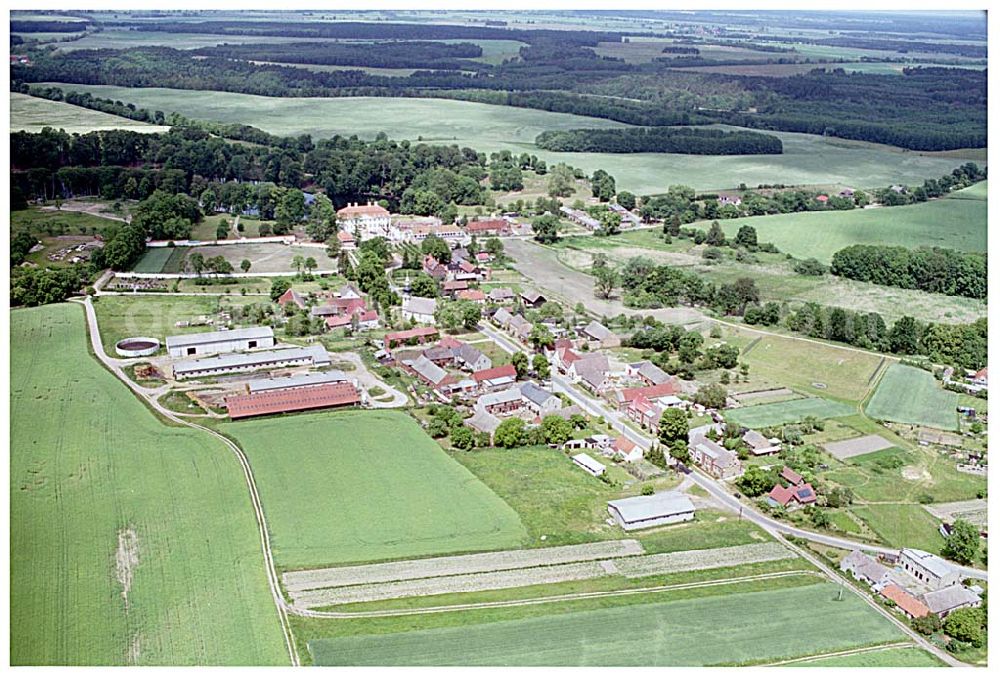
(364,222)
(917,583)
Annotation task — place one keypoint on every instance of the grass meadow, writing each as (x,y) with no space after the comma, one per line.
(808,159)
(778,413)
(104,500)
(896,657)
(948,222)
(902,525)
(359,486)
(31,114)
(712,626)
(911,395)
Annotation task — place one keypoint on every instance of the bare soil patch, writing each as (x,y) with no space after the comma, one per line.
(126,559)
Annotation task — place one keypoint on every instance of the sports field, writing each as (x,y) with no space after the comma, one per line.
(912,395)
(821,369)
(131,542)
(792,411)
(954,223)
(31,114)
(360,486)
(749,627)
(807,159)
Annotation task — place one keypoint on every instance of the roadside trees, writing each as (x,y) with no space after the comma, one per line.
(673,427)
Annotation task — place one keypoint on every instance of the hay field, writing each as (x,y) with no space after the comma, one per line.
(807,159)
(911,395)
(360,486)
(954,223)
(104,500)
(707,629)
(31,114)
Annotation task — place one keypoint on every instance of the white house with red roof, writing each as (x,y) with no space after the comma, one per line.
(627,450)
(370,220)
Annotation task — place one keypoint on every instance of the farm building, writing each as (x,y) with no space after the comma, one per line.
(496,378)
(599,442)
(532,298)
(481,227)
(519,327)
(429,372)
(663,394)
(905,602)
(865,569)
(469,357)
(647,372)
(484,422)
(419,309)
(299,381)
(213,342)
(415,335)
(942,602)
(580,217)
(539,400)
(600,336)
(292,296)
(296,399)
(314,355)
(501,295)
(642,512)
(760,445)
(501,402)
(929,569)
(588,464)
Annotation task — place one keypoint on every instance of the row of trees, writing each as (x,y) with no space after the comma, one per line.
(691,141)
(403,54)
(930,269)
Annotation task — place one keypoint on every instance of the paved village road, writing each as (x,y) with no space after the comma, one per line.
(719,491)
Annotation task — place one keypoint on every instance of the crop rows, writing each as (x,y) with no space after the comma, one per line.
(630,567)
(298,581)
(494,580)
(693,560)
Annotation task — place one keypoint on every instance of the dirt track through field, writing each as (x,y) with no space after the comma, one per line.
(126,559)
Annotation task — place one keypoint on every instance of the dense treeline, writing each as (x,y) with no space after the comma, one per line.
(47,26)
(677,49)
(38,286)
(925,109)
(971,50)
(960,177)
(660,140)
(411,54)
(930,269)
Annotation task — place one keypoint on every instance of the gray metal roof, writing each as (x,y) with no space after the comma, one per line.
(298,381)
(949,598)
(259,357)
(419,305)
(428,370)
(598,331)
(483,421)
(650,371)
(499,397)
(182,340)
(589,463)
(932,563)
(536,394)
(663,504)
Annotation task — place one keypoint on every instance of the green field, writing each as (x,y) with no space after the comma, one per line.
(912,395)
(31,114)
(153,260)
(954,223)
(749,627)
(361,486)
(90,469)
(903,525)
(807,159)
(793,411)
(123,316)
(820,369)
(898,657)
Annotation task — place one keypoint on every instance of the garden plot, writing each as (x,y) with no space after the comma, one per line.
(630,567)
(857,446)
(297,581)
(974,511)
(695,560)
(771,395)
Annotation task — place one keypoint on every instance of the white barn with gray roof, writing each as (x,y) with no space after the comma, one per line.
(929,569)
(217,365)
(942,602)
(214,342)
(643,512)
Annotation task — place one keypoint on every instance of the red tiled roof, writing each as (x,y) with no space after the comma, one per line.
(643,405)
(495,372)
(905,601)
(344,236)
(790,475)
(569,357)
(780,495)
(982,373)
(449,342)
(471,295)
(822,198)
(291,296)
(483,256)
(454,285)
(406,335)
(467,267)
(292,399)
(804,494)
(487,225)
(624,445)
(334,321)
(368,316)
(649,392)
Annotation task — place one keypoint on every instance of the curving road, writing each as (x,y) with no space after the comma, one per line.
(150,397)
(719,491)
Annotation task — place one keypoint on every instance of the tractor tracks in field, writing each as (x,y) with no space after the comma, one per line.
(265,541)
